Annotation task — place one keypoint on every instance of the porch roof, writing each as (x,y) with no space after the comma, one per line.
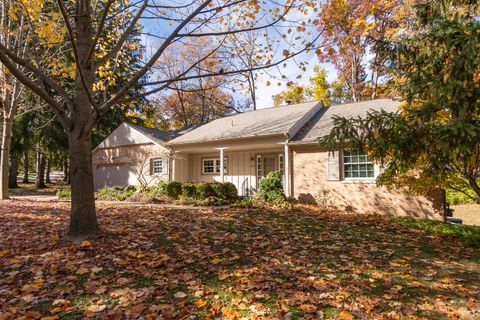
(268,122)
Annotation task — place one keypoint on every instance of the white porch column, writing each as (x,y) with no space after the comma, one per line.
(222,165)
(287,178)
(173,168)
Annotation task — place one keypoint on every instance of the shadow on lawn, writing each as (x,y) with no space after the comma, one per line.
(232,264)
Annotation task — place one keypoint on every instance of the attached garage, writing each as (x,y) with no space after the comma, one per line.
(109,175)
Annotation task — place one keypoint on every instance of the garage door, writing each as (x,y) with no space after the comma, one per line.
(115,175)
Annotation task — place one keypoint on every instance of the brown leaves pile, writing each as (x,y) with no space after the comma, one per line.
(230,264)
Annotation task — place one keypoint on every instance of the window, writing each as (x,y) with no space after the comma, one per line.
(212,166)
(357,164)
(157,166)
(281,164)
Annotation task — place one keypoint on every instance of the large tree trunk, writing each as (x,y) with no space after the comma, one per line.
(13,172)
(26,165)
(40,179)
(83,217)
(47,172)
(5,156)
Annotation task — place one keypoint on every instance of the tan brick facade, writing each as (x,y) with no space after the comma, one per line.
(310,184)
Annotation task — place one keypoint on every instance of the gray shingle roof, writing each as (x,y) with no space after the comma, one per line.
(262,122)
(161,136)
(321,124)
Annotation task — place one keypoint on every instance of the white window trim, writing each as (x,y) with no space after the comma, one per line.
(376,170)
(163,167)
(225,163)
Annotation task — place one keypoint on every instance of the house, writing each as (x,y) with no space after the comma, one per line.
(243,148)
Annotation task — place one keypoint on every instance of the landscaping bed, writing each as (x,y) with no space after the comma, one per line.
(198,194)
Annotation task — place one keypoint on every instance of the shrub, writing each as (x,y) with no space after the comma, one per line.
(115,193)
(204,190)
(162,186)
(219,190)
(246,202)
(173,189)
(189,190)
(271,188)
(65,193)
(231,191)
(323,199)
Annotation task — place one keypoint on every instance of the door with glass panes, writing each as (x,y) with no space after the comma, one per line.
(267,163)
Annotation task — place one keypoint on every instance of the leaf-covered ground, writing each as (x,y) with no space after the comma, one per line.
(231,264)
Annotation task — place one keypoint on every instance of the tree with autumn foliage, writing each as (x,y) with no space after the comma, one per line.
(73,40)
(433,141)
(354,27)
(317,89)
(198,100)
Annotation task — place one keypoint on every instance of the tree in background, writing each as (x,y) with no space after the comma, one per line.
(433,140)
(317,89)
(354,26)
(294,94)
(16,39)
(198,100)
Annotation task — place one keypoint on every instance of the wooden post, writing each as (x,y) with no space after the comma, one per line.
(287,172)
(221,165)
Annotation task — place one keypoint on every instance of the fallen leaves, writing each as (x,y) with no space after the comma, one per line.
(180,295)
(85,243)
(230,264)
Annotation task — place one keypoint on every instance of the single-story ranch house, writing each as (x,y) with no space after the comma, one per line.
(243,148)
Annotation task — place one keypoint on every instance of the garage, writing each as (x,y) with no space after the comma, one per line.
(109,175)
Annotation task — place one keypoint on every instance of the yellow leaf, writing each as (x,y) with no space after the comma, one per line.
(85,243)
(200,303)
(345,315)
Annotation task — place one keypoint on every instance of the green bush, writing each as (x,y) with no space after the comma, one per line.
(204,190)
(219,190)
(231,191)
(271,188)
(246,202)
(173,189)
(469,235)
(162,186)
(455,197)
(64,193)
(189,190)
(119,193)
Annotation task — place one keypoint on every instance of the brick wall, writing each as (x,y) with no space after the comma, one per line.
(310,184)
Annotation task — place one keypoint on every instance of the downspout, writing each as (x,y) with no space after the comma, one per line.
(287,166)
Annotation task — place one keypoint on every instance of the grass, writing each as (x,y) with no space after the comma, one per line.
(232,264)
(469,235)
(30,189)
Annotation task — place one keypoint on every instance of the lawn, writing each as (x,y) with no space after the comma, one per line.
(29,189)
(230,264)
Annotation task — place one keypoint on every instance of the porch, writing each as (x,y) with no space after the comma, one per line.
(242,165)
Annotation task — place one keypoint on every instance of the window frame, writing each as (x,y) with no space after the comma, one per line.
(215,172)
(358,153)
(152,164)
